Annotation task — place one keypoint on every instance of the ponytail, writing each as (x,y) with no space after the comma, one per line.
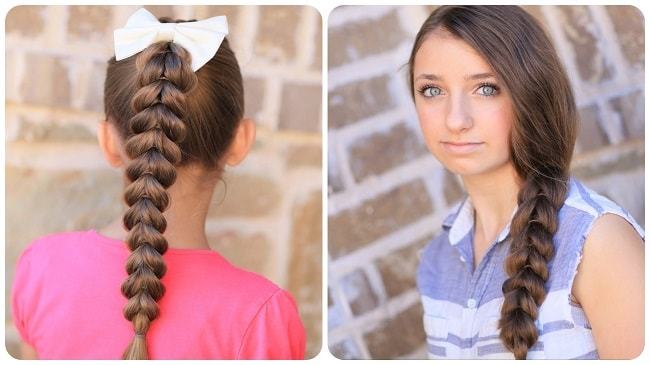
(164,77)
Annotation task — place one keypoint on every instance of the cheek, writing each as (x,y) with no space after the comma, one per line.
(428,117)
(500,119)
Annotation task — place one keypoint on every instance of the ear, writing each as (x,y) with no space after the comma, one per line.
(110,144)
(241,143)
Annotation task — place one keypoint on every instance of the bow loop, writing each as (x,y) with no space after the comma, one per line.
(201,38)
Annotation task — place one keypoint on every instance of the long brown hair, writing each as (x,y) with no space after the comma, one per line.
(541,146)
(169,116)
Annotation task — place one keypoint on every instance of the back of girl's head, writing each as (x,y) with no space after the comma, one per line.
(213,108)
(169,116)
(541,142)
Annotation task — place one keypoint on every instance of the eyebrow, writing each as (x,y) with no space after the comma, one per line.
(479,76)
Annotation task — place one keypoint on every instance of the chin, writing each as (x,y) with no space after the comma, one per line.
(469,168)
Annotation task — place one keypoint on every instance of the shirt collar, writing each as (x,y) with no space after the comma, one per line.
(461,221)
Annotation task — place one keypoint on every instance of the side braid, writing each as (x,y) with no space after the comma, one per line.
(532,229)
(164,77)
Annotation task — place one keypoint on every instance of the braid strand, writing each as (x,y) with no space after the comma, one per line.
(157,128)
(533,226)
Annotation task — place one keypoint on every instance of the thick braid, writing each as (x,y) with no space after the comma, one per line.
(532,229)
(157,128)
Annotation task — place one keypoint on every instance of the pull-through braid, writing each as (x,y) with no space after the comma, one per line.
(157,128)
(532,229)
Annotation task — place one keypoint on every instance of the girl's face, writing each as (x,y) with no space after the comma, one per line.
(465,113)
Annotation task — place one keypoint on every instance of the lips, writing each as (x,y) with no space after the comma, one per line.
(461,148)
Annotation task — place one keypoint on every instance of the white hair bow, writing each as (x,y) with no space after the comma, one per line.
(202,38)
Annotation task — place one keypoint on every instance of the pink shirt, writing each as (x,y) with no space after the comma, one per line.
(67,304)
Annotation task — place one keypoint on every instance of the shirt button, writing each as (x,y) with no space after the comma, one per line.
(462,259)
(471,303)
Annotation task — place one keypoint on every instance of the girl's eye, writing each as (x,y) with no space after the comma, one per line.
(430,91)
(488,90)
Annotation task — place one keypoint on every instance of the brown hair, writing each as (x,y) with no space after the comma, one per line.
(169,116)
(541,146)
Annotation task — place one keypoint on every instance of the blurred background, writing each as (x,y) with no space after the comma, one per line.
(266,219)
(387,195)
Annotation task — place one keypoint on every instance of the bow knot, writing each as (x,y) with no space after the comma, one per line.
(201,38)
(166,32)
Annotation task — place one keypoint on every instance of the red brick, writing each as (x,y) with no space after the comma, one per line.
(276,33)
(618,162)
(90,23)
(46,82)
(359,39)
(52,131)
(357,100)
(630,108)
(359,293)
(630,30)
(345,350)
(452,189)
(95,90)
(379,152)
(317,64)
(35,200)
(238,200)
(160,11)
(590,134)
(207,11)
(397,336)
(253,95)
(398,268)
(305,273)
(26,20)
(536,12)
(334,181)
(231,12)
(330,301)
(304,156)
(576,24)
(301,107)
(356,227)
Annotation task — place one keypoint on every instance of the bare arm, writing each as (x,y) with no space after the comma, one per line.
(27,352)
(610,287)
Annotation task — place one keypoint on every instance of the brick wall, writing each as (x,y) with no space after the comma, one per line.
(387,195)
(55,65)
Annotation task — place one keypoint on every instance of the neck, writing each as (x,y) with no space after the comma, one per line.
(190,198)
(494,197)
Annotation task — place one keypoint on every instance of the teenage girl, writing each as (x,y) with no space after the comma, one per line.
(532,264)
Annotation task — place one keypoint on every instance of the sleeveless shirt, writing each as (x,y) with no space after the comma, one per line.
(462,307)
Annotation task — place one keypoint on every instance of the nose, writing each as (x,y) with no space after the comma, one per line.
(459,116)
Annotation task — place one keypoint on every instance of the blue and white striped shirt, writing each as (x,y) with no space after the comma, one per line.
(462,308)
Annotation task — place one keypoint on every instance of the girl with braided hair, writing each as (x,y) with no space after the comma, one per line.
(531,264)
(148,286)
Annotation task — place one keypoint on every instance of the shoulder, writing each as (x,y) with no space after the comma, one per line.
(609,233)
(246,280)
(613,243)
(589,206)
(275,331)
(245,290)
(46,248)
(612,270)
